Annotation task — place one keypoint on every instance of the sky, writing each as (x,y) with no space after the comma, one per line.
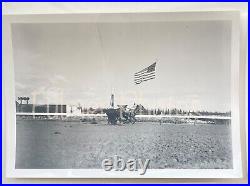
(83,63)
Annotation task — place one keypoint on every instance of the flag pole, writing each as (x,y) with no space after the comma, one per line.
(104,64)
(112,99)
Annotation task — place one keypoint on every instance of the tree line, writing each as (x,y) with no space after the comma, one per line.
(158,111)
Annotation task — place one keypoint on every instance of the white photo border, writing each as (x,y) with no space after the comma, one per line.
(9,113)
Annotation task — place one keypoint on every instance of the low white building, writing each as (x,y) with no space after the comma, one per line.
(73,110)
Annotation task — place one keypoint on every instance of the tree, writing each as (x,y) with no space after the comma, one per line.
(173,111)
(158,112)
(180,112)
(152,112)
(85,110)
(79,107)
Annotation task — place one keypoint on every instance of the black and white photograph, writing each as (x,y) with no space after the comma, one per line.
(157,91)
(124,95)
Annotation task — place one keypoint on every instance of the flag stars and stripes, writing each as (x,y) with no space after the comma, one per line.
(145,74)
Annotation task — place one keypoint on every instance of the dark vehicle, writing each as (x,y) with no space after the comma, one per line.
(123,114)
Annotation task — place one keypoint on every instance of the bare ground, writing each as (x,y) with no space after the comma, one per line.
(61,145)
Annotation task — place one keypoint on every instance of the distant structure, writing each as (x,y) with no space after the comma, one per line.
(34,108)
(74,110)
(21,99)
(37,108)
(112,101)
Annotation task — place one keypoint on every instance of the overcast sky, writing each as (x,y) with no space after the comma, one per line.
(85,62)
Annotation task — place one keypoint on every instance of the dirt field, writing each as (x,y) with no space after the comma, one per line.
(59,144)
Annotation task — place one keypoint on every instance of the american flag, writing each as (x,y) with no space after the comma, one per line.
(145,74)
